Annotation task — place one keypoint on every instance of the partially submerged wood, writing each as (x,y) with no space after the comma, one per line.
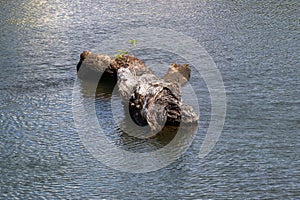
(152,101)
(93,66)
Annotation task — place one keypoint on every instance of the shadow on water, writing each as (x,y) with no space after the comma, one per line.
(104,88)
(161,139)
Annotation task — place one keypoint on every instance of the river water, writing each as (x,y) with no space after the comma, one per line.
(255,45)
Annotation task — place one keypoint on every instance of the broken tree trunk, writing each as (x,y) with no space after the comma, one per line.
(152,101)
(92,65)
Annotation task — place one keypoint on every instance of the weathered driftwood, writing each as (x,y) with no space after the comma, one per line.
(152,101)
(92,65)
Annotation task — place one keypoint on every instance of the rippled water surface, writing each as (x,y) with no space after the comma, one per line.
(255,45)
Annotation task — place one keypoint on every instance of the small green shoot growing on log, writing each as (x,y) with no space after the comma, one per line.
(123,52)
(120,54)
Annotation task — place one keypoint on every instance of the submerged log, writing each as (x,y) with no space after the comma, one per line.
(152,101)
(93,65)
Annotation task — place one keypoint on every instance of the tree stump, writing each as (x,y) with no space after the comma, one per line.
(152,101)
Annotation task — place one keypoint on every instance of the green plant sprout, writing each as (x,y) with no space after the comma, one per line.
(120,54)
(133,42)
(123,52)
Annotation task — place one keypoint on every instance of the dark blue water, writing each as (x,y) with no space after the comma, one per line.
(255,45)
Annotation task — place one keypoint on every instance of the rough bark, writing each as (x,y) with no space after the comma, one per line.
(93,65)
(152,101)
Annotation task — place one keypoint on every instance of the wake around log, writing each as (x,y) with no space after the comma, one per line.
(152,101)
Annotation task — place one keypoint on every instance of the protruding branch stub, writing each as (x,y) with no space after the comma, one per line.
(178,73)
